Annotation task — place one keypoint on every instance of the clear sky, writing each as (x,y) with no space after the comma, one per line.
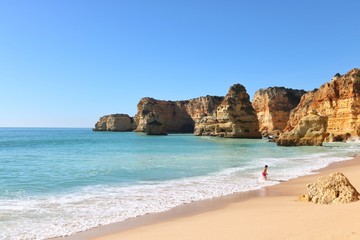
(65,63)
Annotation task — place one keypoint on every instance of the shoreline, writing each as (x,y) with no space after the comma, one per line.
(285,191)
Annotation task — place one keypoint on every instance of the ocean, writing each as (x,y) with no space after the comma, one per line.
(56,182)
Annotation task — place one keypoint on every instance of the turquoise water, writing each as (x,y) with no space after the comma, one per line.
(55,182)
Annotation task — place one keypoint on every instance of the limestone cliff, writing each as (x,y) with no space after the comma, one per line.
(234,117)
(310,131)
(273,106)
(202,106)
(115,123)
(152,125)
(174,116)
(339,100)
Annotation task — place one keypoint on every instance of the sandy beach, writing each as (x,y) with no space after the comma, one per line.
(270,213)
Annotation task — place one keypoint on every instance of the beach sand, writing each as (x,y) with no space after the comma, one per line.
(270,213)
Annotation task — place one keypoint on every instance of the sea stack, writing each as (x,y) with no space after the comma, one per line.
(233,118)
(115,123)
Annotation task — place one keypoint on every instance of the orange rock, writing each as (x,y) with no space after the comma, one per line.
(310,131)
(332,189)
(174,116)
(273,106)
(115,123)
(339,100)
(233,118)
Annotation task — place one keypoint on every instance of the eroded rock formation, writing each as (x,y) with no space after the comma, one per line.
(332,189)
(339,100)
(115,123)
(273,106)
(174,116)
(234,117)
(152,126)
(310,131)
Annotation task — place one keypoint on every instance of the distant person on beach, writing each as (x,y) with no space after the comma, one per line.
(264,172)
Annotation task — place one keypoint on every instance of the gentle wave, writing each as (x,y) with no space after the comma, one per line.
(52,216)
(56,182)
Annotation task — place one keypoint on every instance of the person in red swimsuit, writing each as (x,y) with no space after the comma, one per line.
(264,172)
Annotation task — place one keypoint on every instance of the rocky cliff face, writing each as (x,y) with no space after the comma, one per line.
(234,117)
(174,116)
(339,100)
(201,107)
(115,123)
(310,131)
(273,106)
(229,116)
(152,126)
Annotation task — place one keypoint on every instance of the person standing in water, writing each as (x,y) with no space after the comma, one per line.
(264,172)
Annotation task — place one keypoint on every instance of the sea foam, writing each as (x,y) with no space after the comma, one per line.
(105,178)
(51,216)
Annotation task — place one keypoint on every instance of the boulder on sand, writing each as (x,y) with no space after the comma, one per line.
(332,189)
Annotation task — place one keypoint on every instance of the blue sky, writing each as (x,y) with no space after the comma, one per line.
(66,63)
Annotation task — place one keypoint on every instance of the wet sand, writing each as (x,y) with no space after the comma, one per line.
(269,213)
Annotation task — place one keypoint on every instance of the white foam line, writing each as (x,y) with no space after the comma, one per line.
(46,217)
